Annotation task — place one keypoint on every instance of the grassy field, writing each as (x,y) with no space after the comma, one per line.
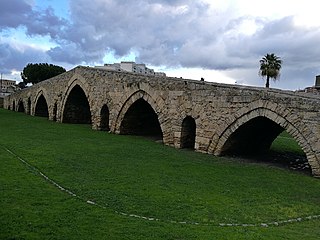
(285,143)
(141,189)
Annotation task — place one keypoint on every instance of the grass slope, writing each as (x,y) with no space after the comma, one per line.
(285,143)
(136,176)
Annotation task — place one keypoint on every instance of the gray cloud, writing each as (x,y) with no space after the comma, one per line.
(15,13)
(149,27)
(46,23)
(12,58)
(171,33)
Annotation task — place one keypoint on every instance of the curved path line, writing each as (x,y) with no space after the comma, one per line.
(61,188)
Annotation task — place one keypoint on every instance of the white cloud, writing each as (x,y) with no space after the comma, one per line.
(221,39)
(20,41)
(198,73)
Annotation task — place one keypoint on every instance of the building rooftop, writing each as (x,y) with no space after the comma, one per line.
(133,67)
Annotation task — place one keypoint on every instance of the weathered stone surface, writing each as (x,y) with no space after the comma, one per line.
(219,110)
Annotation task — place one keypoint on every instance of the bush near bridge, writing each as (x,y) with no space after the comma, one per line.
(135,176)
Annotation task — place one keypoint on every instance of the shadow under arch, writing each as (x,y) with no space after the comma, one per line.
(76,82)
(29,106)
(139,116)
(252,137)
(21,106)
(188,133)
(254,132)
(41,107)
(76,107)
(44,108)
(104,118)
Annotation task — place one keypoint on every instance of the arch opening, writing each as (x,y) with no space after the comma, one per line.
(41,109)
(13,106)
(188,133)
(29,106)
(21,107)
(261,139)
(77,109)
(141,120)
(104,118)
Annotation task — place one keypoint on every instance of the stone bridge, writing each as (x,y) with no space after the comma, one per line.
(208,117)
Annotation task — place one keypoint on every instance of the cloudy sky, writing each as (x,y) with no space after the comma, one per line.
(219,40)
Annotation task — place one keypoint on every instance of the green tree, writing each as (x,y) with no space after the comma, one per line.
(34,73)
(22,85)
(270,66)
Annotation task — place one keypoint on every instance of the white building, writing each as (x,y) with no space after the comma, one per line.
(7,86)
(131,67)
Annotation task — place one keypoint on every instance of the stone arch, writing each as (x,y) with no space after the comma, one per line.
(41,107)
(77,108)
(253,137)
(275,124)
(188,133)
(21,106)
(104,118)
(71,110)
(40,92)
(142,103)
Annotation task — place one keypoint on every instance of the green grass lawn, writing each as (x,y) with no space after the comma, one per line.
(285,143)
(134,176)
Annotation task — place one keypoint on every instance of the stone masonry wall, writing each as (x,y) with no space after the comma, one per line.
(218,109)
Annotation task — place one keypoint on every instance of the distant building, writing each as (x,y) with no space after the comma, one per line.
(131,67)
(7,85)
(6,88)
(314,89)
(317,86)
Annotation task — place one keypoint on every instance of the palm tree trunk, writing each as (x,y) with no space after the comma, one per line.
(267,82)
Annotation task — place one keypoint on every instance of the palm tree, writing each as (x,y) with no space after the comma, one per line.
(270,66)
